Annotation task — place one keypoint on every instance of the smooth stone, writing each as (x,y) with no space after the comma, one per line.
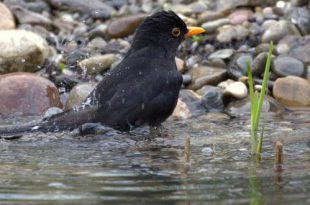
(238,65)
(198,7)
(295,46)
(299,2)
(212,100)
(97,44)
(225,83)
(285,65)
(205,75)
(181,111)
(222,54)
(259,63)
(97,64)
(237,90)
(239,16)
(94,8)
(6,18)
(187,79)
(27,93)
(240,107)
(179,8)
(124,26)
(212,26)
(228,33)
(192,100)
(301,18)
(78,94)
(25,16)
(292,91)
(276,31)
(22,51)
(209,15)
(180,64)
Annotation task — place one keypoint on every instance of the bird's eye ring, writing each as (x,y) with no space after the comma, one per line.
(176,32)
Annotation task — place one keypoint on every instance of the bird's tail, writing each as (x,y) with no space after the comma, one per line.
(67,120)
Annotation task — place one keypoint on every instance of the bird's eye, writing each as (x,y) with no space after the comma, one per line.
(176,32)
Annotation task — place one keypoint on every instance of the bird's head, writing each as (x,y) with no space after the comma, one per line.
(163,29)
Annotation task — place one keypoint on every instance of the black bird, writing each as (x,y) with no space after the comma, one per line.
(142,90)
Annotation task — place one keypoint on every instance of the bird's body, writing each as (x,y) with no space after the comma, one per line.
(142,90)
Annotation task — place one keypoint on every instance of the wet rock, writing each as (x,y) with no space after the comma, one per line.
(222,54)
(285,65)
(186,79)
(237,90)
(238,65)
(198,7)
(292,91)
(204,75)
(94,8)
(212,26)
(27,93)
(212,99)
(301,17)
(295,46)
(193,101)
(97,64)
(125,26)
(97,44)
(240,15)
(25,16)
(22,51)
(276,31)
(270,105)
(181,111)
(180,64)
(6,18)
(228,33)
(78,94)
(52,111)
(259,63)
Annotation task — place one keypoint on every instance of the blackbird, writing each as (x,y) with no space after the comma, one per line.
(141,90)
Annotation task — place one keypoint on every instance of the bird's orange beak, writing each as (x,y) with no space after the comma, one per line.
(194,31)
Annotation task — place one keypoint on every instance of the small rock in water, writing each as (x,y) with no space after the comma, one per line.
(97,64)
(212,99)
(238,65)
(52,111)
(292,91)
(78,94)
(181,111)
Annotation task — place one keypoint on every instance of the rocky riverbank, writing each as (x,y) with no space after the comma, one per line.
(67,46)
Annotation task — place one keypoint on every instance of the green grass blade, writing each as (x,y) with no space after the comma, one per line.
(264,87)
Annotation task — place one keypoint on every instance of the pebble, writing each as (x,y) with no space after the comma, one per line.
(228,33)
(222,54)
(180,64)
(22,50)
(124,26)
(276,31)
(259,63)
(25,16)
(295,46)
(78,94)
(239,16)
(6,18)
(285,65)
(204,75)
(292,91)
(181,111)
(212,99)
(193,101)
(237,90)
(238,65)
(27,94)
(301,18)
(212,26)
(97,64)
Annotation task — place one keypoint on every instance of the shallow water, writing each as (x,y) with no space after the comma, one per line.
(138,169)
